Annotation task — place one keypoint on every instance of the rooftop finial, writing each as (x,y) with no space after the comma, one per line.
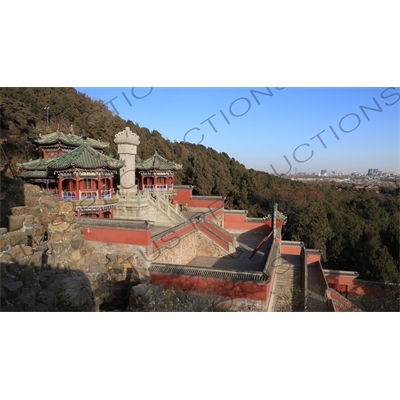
(71,130)
(58,128)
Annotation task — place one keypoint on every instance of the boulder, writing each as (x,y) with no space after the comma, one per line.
(36,259)
(17,238)
(28,276)
(13,269)
(47,277)
(64,206)
(15,222)
(76,244)
(74,294)
(41,307)
(59,228)
(27,299)
(12,288)
(47,298)
(142,294)
(3,243)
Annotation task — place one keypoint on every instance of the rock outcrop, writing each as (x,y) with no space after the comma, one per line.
(46,265)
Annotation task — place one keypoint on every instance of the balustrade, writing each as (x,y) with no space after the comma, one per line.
(106,194)
(88,194)
(68,195)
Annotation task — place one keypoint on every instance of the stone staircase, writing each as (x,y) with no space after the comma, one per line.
(162,211)
(287,290)
(315,289)
(224,239)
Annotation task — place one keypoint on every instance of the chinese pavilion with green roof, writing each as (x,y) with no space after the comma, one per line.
(156,173)
(74,168)
(57,143)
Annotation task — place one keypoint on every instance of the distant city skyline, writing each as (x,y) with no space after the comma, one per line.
(272,129)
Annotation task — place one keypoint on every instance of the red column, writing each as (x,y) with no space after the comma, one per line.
(60,187)
(77,188)
(99,186)
(154,182)
(142,182)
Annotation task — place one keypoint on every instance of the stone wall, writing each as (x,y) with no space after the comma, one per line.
(46,265)
(184,248)
(132,207)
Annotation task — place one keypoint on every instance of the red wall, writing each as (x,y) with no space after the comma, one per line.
(313,257)
(164,240)
(346,307)
(114,235)
(215,213)
(218,231)
(241,290)
(206,203)
(295,250)
(184,197)
(340,280)
(238,222)
(234,218)
(348,285)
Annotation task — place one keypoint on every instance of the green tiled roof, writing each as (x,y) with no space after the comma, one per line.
(39,164)
(69,140)
(33,174)
(158,163)
(85,157)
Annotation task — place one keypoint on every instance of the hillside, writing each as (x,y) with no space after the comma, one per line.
(23,117)
(356,231)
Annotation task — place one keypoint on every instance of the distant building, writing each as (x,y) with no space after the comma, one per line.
(372,172)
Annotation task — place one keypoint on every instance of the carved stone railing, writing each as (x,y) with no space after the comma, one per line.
(116,223)
(161,202)
(231,275)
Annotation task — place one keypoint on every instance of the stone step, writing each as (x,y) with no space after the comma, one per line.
(286,291)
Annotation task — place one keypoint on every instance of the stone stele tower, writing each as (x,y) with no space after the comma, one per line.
(127,142)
